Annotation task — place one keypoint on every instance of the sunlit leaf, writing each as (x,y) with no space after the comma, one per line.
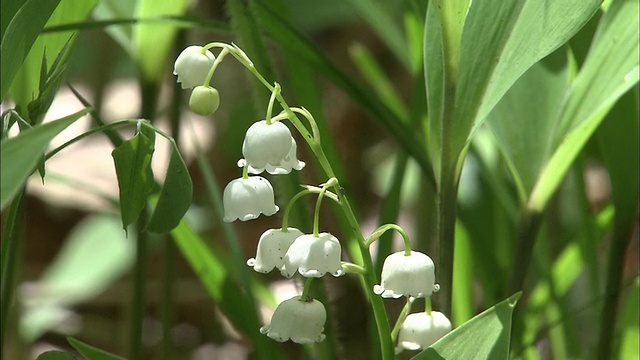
(524,120)
(135,178)
(611,68)
(485,337)
(26,83)
(19,155)
(175,195)
(91,352)
(20,35)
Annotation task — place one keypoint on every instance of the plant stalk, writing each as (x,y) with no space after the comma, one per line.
(622,235)
(10,254)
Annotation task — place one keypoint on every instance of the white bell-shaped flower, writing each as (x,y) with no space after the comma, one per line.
(302,321)
(289,162)
(419,330)
(272,247)
(409,275)
(246,199)
(268,146)
(192,66)
(313,256)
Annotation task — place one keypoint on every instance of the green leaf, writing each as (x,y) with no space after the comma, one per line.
(55,355)
(611,68)
(135,178)
(91,352)
(524,120)
(19,37)
(151,53)
(175,195)
(485,337)
(25,86)
(20,155)
(49,83)
(500,41)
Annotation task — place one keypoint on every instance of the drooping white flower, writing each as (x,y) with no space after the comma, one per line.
(270,147)
(246,199)
(409,275)
(313,256)
(419,330)
(192,66)
(204,100)
(289,162)
(272,247)
(302,321)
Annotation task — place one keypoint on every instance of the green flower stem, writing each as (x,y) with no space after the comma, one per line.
(401,317)
(276,90)
(351,268)
(245,171)
(216,62)
(369,278)
(307,190)
(427,305)
(305,290)
(382,229)
(447,197)
(100,129)
(316,216)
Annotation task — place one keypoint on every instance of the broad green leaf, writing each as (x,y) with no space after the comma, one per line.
(55,355)
(78,273)
(175,195)
(135,178)
(20,155)
(154,41)
(500,41)
(19,36)
(611,68)
(485,337)
(91,352)
(26,83)
(524,120)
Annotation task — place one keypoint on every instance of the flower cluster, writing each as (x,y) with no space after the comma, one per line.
(270,147)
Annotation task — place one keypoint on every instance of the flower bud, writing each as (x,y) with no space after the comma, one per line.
(204,100)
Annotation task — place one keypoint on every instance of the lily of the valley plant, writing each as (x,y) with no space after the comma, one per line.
(269,146)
